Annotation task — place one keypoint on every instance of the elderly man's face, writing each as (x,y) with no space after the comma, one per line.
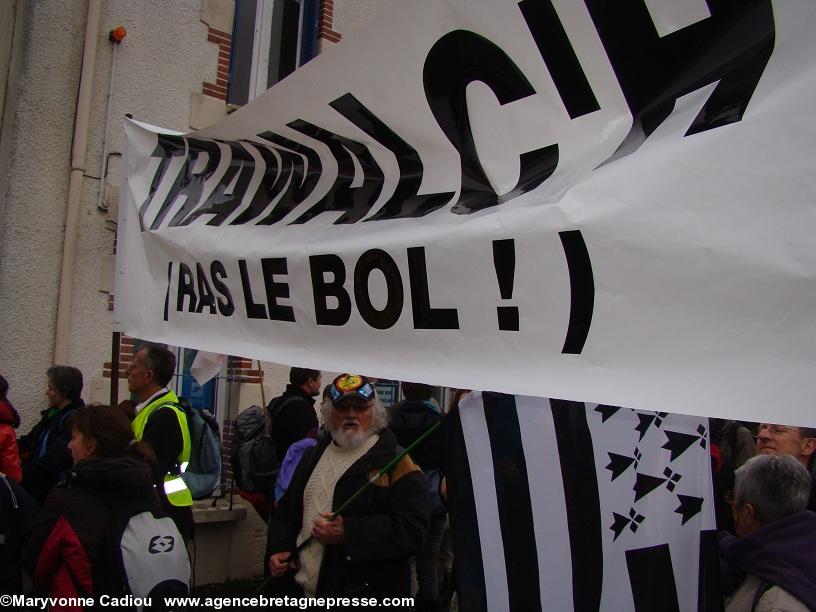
(783,440)
(351,421)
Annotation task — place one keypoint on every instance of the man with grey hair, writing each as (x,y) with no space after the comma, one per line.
(776,547)
(365,551)
(161,423)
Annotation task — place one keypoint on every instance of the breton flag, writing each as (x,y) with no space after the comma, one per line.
(558,505)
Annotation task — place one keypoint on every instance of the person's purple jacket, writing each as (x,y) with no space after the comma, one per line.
(290,462)
(782,552)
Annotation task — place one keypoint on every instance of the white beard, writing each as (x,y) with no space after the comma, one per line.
(348,439)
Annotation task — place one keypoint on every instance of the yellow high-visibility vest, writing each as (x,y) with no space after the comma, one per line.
(174,487)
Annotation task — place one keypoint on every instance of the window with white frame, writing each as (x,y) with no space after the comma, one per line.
(270,39)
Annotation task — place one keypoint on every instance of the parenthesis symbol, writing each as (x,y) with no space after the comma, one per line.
(582,291)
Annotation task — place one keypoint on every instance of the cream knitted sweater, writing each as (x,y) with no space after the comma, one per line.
(317,498)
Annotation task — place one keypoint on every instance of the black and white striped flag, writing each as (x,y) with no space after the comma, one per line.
(560,506)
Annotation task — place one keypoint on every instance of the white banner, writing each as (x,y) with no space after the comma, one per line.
(604,202)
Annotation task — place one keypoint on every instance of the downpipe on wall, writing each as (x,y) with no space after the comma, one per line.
(78,150)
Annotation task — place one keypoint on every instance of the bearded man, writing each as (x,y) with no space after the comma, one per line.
(365,551)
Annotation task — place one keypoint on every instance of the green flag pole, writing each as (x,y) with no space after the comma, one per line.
(370,482)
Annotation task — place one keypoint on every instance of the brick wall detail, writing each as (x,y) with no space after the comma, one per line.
(224,42)
(325,20)
(125,357)
(243,369)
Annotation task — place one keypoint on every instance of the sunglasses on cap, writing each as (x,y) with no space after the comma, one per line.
(350,385)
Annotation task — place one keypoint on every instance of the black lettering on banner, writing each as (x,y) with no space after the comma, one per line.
(189,184)
(253,310)
(304,168)
(218,272)
(275,290)
(273,182)
(167,293)
(426,317)
(320,265)
(167,147)
(377,259)
(405,202)
(185,289)
(205,292)
(582,291)
(731,47)
(504,260)
(456,60)
(559,56)
(219,203)
(355,201)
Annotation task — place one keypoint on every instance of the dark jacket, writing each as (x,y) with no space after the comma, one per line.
(66,555)
(409,420)
(294,420)
(811,505)
(44,451)
(384,526)
(17,513)
(781,553)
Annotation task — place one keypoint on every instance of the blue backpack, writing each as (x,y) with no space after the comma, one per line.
(202,474)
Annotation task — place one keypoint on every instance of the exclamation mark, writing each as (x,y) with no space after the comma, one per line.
(167,295)
(504,259)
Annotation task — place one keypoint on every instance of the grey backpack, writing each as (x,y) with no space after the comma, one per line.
(202,474)
(255,464)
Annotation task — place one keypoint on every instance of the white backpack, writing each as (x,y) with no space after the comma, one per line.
(154,559)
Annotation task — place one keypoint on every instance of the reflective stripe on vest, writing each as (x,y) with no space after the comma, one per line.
(176,491)
(178,495)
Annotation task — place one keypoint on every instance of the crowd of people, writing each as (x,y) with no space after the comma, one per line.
(359,507)
(74,482)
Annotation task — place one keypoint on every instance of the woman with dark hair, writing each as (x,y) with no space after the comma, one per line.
(9,421)
(44,450)
(73,549)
